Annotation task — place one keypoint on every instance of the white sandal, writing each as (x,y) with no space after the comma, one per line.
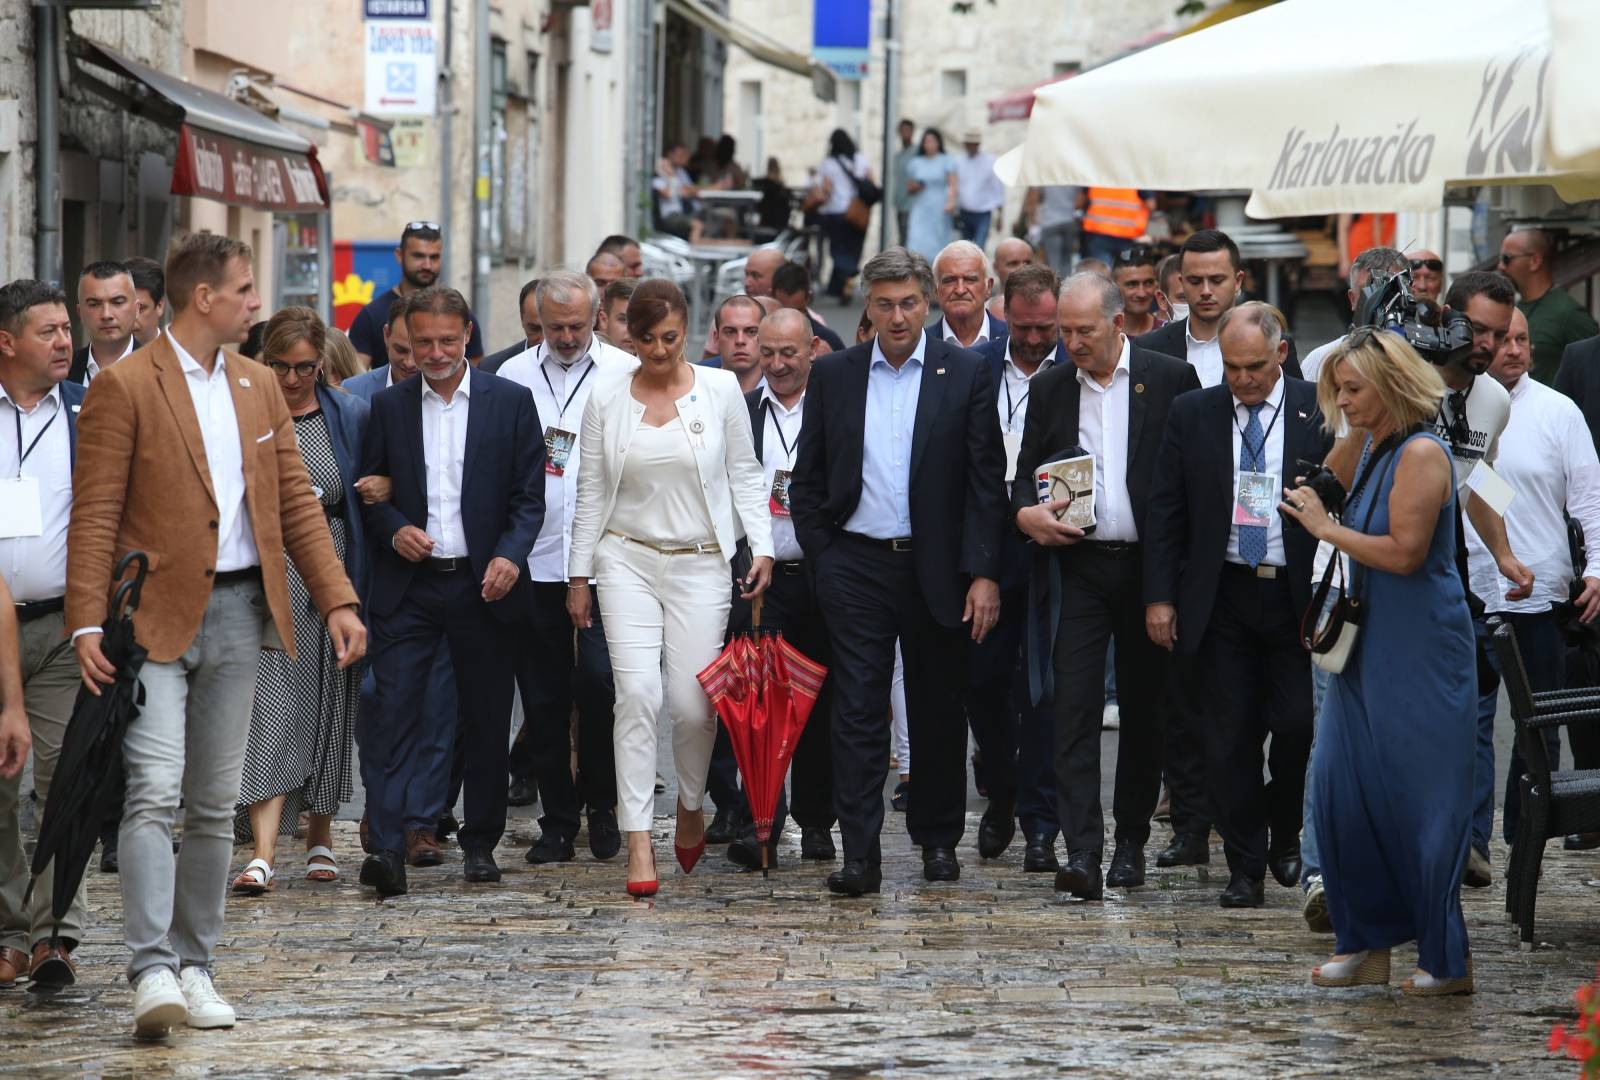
(329,868)
(254,879)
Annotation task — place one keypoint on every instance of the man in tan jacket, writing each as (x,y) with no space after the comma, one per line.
(187,453)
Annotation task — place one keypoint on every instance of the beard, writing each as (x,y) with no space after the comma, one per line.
(419,279)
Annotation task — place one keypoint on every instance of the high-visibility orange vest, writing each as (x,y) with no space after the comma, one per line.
(1116,211)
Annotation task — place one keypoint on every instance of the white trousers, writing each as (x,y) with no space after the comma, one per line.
(665,617)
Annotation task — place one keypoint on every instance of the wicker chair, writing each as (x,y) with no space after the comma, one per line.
(1554,803)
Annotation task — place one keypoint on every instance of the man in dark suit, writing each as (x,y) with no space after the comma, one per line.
(465,455)
(1111,404)
(1579,379)
(898,501)
(1227,580)
(532,329)
(1014,733)
(963,280)
(107,310)
(1208,263)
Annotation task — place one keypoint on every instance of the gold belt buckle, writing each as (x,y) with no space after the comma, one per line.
(900,543)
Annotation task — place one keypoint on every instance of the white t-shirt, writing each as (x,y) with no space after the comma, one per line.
(842,186)
(1488,411)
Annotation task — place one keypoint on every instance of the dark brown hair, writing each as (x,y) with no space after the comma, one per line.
(653,301)
(439,300)
(201,259)
(288,328)
(1031,281)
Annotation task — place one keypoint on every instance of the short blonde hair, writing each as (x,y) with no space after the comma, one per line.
(339,358)
(1408,386)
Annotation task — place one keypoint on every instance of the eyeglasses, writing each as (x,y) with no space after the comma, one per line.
(1139,254)
(1507,260)
(303,371)
(420,226)
(1436,265)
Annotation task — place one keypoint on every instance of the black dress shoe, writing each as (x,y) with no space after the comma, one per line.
(1081,876)
(1243,892)
(1127,866)
(724,827)
(480,865)
(605,840)
(997,828)
(816,843)
(939,864)
(524,791)
(1583,841)
(1040,858)
(1186,849)
(448,826)
(548,848)
(386,872)
(746,852)
(1285,867)
(108,858)
(856,878)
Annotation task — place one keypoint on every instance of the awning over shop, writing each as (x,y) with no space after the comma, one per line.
(757,44)
(226,150)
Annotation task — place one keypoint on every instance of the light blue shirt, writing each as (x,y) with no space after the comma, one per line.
(884,512)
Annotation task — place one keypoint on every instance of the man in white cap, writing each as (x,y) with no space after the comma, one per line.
(979,192)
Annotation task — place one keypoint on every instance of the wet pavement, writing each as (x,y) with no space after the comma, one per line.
(556,972)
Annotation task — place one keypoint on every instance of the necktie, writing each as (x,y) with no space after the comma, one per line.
(1253,458)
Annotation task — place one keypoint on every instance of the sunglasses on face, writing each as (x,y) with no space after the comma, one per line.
(304,371)
(1436,265)
(1506,259)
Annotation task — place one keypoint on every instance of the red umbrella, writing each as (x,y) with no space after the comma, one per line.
(763,688)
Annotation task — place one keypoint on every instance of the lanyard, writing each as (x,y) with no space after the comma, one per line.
(1265,435)
(561,416)
(22,455)
(1011,409)
(788,451)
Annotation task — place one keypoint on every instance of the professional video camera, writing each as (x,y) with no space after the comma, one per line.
(1440,336)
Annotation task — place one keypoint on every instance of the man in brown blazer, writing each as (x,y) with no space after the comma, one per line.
(187,453)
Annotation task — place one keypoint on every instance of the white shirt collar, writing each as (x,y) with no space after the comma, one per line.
(190,365)
(1521,385)
(1190,339)
(465,389)
(1121,368)
(1273,399)
(1048,361)
(388,376)
(53,396)
(768,397)
(543,353)
(985,332)
(916,354)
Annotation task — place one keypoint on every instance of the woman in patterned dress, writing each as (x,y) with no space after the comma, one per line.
(298,756)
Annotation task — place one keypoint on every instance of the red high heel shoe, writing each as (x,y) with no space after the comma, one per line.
(688,856)
(642,889)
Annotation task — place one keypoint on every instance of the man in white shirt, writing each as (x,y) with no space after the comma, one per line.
(107,310)
(979,192)
(962,282)
(560,374)
(785,348)
(35,351)
(1547,457)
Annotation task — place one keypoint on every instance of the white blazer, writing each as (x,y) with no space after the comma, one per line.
(731,477)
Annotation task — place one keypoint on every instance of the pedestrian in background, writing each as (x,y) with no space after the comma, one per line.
(979,193)
(931,183)
(839,177)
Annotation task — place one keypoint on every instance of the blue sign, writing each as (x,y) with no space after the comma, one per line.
(396,9)
(841,36)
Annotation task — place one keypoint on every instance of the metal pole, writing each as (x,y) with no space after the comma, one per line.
(47,169)
(482,164)
(891,97)
(447,165)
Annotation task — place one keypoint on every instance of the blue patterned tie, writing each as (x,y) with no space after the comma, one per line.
(1252,458)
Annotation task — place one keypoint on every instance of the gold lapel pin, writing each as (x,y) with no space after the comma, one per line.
(1138,388)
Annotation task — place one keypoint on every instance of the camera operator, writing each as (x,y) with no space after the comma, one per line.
(1547,456)
(1379,260)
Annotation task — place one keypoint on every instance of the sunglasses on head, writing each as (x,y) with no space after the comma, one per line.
(413,227)
(1137,255)
(1436,265)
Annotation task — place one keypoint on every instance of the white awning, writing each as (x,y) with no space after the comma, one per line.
(757,44)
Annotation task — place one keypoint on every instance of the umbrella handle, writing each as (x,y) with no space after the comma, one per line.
(755,613)
(130,591)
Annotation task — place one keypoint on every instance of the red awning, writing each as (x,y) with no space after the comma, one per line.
(1018,104)
(226,150)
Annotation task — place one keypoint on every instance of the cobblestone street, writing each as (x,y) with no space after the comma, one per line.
(555,972)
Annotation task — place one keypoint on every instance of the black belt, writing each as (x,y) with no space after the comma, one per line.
(898,543)
(1117,549)
(1263,571)
(233,577)
(447,566)
(33,609)
(795,567)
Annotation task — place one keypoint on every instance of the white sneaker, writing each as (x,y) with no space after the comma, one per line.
(158,1004)
(206,1007)
(1111,719)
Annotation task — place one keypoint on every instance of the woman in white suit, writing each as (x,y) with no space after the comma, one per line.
(667,484)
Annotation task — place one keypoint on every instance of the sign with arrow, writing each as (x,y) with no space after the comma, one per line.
(402,67)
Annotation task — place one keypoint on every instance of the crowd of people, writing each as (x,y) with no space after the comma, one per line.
(1068,503)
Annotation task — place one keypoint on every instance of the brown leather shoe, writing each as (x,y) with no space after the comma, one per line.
(366,836)
(52,966)
(14,964)
(422,849)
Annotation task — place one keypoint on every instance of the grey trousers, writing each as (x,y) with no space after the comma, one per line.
(188,743)
(49,690)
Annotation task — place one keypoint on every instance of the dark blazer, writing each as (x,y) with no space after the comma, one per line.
(1052,424)
(79,371)
(1014,547)
(493,362)
(997,330)
(72,397)
(957,468)
(502,497)
(1169,339)
(1190,516)
(1579,379)
(347,416)
(832,340)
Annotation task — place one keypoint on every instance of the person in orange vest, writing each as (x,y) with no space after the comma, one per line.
(1358,232)
(1113,218)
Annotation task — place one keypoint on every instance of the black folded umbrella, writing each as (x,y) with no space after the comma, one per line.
(86,783)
